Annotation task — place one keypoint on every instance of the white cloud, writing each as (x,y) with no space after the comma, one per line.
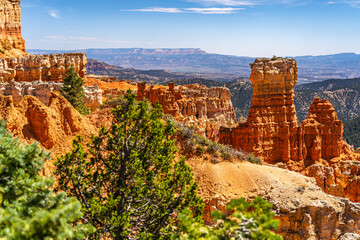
(248,2)
(54,14)
(352,3)
(228,10)
(227,2)
(157,9)
(213,10)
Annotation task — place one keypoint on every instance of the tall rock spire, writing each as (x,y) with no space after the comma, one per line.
(10,26)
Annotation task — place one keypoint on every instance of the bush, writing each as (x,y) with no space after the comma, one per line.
(29,208)
(113,101)
(243,221)
(253,159)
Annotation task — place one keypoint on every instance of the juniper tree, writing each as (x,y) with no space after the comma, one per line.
(72,90)
(127,178)
(29,208)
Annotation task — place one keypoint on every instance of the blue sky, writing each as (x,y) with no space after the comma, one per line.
(234,27)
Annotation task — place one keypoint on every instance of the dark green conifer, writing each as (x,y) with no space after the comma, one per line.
(73,91)
(128,181)
(29,208)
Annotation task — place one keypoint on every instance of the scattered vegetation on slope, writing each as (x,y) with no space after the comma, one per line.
(195,144)
(243,220)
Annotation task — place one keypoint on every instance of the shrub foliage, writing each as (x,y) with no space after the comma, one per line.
(29,208)
(246,221)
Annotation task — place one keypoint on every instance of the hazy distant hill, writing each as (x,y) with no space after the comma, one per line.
(152,76)
(311,68)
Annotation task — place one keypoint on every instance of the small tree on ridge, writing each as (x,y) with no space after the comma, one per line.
(73,91)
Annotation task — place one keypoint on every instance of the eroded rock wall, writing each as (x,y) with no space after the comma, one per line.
(43,91)
(46,68)
(10,26)
(54,126)
(204,108)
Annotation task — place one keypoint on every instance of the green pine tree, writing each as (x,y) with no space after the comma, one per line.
(29,208)
(128,181)
(72,90)
(243,221)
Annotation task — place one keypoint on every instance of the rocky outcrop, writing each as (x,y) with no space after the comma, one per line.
(43,91)
(54,126)
(10,26)
(339,178)
(46,68)
(272,131)
(206,109)
(322,132)
(304,210)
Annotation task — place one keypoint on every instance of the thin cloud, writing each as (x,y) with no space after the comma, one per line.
(54,14)
(157,9)
(226,2)
(353,3)
(228,10)
(213,10)
(246,3)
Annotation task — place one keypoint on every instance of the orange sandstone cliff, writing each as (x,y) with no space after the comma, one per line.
(16,64)
(272,130)
(10,27)
(205,109)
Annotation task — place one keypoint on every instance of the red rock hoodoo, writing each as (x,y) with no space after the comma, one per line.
(10,25)
(206,109)
(272,131)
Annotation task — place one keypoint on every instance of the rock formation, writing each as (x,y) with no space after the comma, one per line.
(10,26)
(54,126)
(304,210)
(43,91)
(272,131)
(46,68)
(206,109)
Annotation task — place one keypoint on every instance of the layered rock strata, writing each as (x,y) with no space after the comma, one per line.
(46,68)
(272,131)
(43,91)
(206,109)
(10,26)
